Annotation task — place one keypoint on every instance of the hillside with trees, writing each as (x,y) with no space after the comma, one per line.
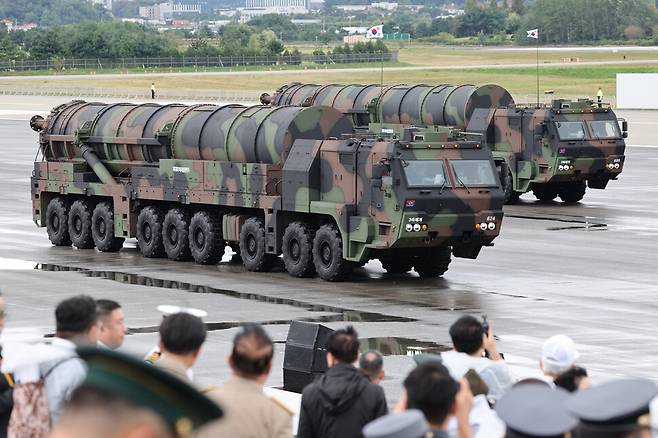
(52,12)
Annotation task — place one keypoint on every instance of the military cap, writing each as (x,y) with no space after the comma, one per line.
(617,406)
(181,406)
(424,357)
(408,424)
(535,410)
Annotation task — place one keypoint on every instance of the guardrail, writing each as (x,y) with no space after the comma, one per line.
(192,62)
(134,93)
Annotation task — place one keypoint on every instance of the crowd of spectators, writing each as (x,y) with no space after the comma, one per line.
(76,386)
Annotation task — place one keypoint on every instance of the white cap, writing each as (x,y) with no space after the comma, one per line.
(558,354)
(166,309)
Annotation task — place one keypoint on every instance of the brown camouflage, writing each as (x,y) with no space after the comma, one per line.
(526,158)
(281,164)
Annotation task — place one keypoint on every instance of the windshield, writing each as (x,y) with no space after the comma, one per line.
(425,173)
(474,172)
(604,129)
(570,130)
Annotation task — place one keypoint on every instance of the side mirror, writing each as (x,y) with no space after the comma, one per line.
(624,126)
(624,134)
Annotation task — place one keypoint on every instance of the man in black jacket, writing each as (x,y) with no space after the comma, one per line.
(343,400)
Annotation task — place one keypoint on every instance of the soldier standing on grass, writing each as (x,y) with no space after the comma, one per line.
(152,90)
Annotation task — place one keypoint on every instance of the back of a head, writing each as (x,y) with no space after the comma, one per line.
(558,354)
(371,363)
(252,351)
(344,344)
(182,333)
(104,308)
(432,390)
(75,315)
(467,334)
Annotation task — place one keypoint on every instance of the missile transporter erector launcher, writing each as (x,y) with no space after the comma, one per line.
(294,181)
(552,150)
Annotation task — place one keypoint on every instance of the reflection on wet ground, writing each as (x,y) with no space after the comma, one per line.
(341,314)
(397,346)
(580,222)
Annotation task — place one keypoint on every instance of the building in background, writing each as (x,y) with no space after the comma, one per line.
(107,4)
(167,11)
(255,8)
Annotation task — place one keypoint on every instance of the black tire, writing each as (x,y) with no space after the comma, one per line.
(573,192)
(80,224)
(57,221)
(510,196)
(175,235)
(252,246)
(297,248)
(396,265)
(544,192)
(149,232)
(433,263)
(102,228)
(328,254)
(206,242)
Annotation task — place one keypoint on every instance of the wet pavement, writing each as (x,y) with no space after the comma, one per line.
(587,270)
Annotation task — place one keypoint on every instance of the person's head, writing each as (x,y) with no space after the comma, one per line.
(371,364)
(558,354)
(182,334)
(76,319)
(430,389)
(343,346)
(252,353)
(93,412)
(573,379)
(112,328)
(467,334)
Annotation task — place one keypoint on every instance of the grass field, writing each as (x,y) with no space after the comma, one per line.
(521,81)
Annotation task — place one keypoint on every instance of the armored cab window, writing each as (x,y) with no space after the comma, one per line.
(429,173)
(604,129)
(474,172)
(570,130)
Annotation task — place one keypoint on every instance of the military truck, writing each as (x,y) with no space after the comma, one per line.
(552,150)
(186,181)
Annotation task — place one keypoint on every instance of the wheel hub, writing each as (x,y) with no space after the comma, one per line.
(147,233)
(199,238)
(55,221)
(251,245)
(77,224)
(172,234)
(294,250)
(325,253)
(102,227)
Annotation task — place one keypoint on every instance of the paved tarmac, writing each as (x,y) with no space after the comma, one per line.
(588,271)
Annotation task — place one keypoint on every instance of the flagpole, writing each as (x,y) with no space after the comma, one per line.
(381,77)
(537,69)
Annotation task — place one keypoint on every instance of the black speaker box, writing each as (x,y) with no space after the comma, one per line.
(305,355)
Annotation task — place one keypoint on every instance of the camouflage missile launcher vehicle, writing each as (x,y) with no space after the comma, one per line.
(186,181)
(552,150)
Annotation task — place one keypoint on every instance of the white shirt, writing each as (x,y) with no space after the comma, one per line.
(494,373)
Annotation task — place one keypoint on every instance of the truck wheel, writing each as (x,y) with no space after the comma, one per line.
(398,265)
(206,243)
(297,248)
(573,192)
(57,220)
(175,231)
(328,254)
(102,228)
(80,224)
(510,196)
(544,192)
(433,263)
(252,246)
(149,232)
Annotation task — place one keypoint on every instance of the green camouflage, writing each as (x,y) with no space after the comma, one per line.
(528,151)
(283,165)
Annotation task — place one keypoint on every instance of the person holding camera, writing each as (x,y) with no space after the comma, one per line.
(475,349)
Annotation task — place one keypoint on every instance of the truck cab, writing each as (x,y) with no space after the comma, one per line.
(555,150)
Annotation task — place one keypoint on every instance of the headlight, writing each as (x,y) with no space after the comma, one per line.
(409,228)
(617,165)
(483,226)
(416,227)
(492,226)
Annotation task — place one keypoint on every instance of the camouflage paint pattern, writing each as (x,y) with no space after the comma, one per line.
(278,163)
(508,130)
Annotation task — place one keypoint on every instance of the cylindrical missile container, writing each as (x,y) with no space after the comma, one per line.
(400,104)
(146,133)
